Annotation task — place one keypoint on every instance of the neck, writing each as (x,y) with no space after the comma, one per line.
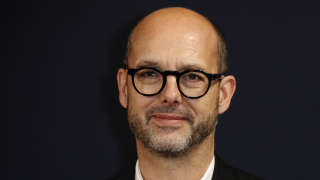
(191,165)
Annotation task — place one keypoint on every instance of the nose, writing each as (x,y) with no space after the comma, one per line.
(170,94)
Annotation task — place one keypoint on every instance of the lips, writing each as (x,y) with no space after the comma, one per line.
(168,119)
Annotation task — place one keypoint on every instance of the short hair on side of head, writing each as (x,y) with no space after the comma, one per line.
(222,50)
(222,47)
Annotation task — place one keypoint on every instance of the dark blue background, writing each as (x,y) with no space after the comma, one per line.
(64,119)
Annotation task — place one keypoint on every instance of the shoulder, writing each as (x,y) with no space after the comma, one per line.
(223,171)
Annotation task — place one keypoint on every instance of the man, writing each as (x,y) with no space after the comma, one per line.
(174,88)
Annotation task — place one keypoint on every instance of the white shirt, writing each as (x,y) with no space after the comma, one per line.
(207,175)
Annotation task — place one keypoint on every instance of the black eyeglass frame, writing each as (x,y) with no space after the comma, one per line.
(177,74)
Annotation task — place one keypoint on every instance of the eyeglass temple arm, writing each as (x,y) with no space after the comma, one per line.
(217,76)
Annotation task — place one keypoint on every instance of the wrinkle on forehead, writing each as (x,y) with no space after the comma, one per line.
(175,65)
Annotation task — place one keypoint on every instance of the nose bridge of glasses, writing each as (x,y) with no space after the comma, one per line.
(165,74)
(173,73)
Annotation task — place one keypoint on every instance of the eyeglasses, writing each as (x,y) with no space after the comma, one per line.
(191,83)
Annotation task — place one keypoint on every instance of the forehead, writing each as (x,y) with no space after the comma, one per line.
(174,42)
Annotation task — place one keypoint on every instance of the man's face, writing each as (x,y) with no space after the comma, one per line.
(169,122)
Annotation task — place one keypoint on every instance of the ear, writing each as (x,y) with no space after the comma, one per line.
(227,89)
(122,87)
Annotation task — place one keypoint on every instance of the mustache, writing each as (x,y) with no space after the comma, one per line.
(170,109)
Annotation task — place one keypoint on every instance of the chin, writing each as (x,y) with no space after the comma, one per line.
(170,141)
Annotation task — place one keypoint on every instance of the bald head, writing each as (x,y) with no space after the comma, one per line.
(178,25)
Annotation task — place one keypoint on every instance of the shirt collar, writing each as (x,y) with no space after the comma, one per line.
(207,175)
(138,173)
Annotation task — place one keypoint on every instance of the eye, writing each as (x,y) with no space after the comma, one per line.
(148,74)
(148,77)
(193,77)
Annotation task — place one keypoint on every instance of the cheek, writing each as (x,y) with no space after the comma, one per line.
(204,105)
(137,102)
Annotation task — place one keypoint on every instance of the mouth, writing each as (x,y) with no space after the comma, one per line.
(164,119)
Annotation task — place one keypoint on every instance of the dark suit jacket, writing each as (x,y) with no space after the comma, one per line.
(221,171)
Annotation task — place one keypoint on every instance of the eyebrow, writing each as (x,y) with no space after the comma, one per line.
(191,67)
(148,63)
(154,64)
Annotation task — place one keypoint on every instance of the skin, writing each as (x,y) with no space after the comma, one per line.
(174,39)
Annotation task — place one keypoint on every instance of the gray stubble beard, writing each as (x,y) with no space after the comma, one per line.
(181,145)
